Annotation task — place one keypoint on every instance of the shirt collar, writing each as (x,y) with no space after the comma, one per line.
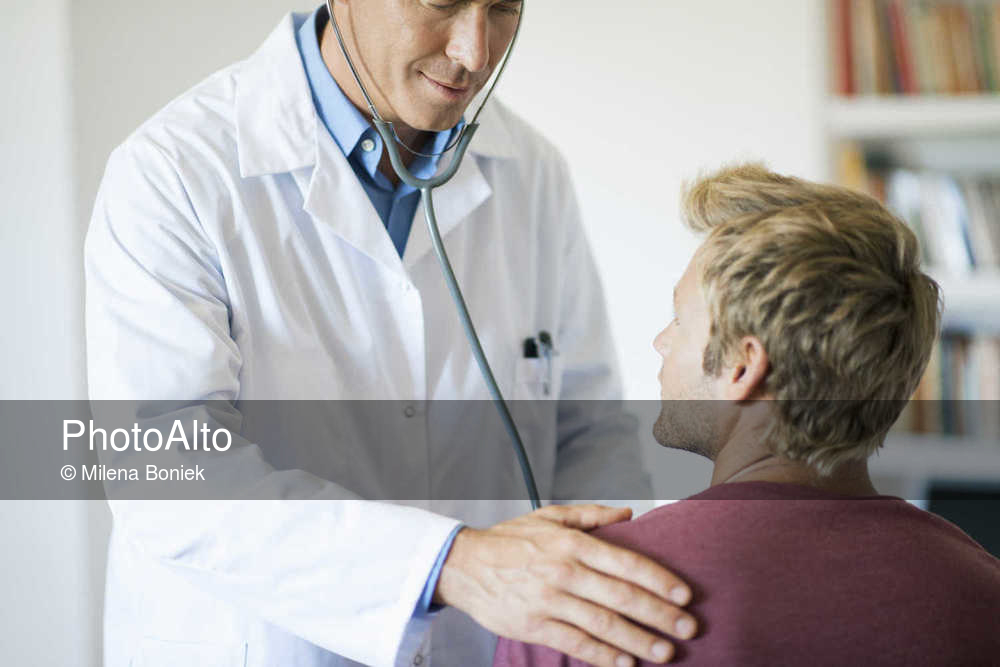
(349,127)
(342,118)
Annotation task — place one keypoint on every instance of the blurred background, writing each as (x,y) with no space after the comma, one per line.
(897,97)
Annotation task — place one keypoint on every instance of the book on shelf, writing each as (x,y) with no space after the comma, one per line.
(911,47)
(956,217)
(959,394)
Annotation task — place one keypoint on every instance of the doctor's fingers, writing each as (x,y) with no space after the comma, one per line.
(634,568)
(574,642)
(605,627)
(614,597)
(584,517)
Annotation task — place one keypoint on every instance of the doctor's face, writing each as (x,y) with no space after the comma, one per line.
(424,60)
(689,416)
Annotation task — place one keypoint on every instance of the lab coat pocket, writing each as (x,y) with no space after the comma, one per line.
(537,379)
(167,653)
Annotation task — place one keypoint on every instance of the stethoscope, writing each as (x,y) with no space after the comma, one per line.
(426,186)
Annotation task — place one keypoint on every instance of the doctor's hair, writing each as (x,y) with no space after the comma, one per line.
(830,282)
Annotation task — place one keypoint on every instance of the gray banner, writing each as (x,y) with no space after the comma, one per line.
(402,450)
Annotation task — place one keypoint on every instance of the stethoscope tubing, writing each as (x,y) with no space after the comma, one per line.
(477,350)
(426,187)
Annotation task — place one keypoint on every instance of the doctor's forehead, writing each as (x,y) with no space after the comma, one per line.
(512,4)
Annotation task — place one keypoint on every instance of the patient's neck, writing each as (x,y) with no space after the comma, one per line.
(744,463)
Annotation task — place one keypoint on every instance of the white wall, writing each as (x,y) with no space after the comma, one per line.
(39,263)
(48,593)
(639,94)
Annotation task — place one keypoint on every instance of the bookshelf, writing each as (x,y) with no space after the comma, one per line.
(915,89)
(884,118)
(972,300)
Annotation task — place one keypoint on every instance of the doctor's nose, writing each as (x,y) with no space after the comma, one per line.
(469,42)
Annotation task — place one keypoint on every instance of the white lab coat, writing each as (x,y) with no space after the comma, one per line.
(233,255)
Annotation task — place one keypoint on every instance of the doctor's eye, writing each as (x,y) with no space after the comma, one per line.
(512,7)
(441,5)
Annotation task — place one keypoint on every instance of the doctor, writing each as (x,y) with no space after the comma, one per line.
(250,242)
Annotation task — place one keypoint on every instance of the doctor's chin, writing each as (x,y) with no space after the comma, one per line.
(393,333)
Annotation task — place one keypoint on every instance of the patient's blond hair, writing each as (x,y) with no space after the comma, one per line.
(830,282)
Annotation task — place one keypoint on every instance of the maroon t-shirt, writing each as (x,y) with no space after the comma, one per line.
(790,575)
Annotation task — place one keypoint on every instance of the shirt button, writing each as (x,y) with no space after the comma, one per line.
(418,660)
(368,145)
(410,411)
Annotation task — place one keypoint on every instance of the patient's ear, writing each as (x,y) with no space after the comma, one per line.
(745,374)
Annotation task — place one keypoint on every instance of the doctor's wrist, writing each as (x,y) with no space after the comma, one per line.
(448,583)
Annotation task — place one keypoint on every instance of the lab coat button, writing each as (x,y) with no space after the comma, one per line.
(368,145)
(410,412)
(418,660)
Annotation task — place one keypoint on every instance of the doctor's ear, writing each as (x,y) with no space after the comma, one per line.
(744,376)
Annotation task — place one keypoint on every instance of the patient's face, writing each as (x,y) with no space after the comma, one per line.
(688,418)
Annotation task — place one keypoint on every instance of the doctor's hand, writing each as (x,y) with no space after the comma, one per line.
(540,579)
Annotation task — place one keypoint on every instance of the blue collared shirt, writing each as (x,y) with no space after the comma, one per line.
(395,206)
(359,141)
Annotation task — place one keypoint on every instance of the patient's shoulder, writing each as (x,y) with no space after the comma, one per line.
(755,520)
(791,575)
(849,578)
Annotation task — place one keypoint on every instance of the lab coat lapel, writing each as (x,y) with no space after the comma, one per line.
(336,198)
(278,131)
(453,203)
(458,199)
(274,114)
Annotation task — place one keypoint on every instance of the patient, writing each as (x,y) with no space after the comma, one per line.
(800,325)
